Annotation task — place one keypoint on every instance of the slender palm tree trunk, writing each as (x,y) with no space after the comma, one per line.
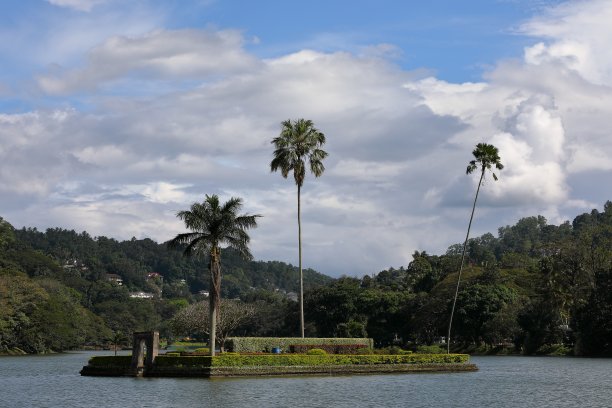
(300,262)
(450,321)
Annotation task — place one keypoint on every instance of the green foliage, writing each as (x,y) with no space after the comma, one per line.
(316,352)
(133,259)
(433,349)
(391,350)
(38,316)
(329,348)
(554,350)
(111,361)
(266,344)
(237,360)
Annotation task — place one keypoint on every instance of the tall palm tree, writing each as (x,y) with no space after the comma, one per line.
(213,224)
(486,156)
(299,141)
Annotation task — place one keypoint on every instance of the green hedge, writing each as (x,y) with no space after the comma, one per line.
(110,361)
(307,360)
(266,344)
(332,348)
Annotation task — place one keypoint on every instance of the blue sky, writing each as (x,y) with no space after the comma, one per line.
(115,115)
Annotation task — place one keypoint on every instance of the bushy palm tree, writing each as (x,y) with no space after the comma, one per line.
(299,142)
(213,224)
(486,157)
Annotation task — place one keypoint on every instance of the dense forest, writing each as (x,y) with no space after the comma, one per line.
(534,288)
(60,289)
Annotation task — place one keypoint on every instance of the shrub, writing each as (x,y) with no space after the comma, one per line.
(329,348)
(202,350)
(266,344)
(555,350)
(173,354)
(316,352)
(392,350)
(110,361)
(434,349)
(237,360)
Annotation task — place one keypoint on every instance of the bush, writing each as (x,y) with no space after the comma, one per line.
(430,350)
(173,354)
(329,348)
(111,361)
(554,350)
(266,344)
(316,352)
(392,350)
(237,360)
(202,350)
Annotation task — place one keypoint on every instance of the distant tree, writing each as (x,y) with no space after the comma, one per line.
(214,224)
(298,142)
(117,340)
(232,315)
(486,156)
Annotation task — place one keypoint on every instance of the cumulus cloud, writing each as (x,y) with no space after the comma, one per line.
(398,142)
(576,33)
(161,54)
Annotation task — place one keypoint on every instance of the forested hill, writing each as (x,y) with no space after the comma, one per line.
(135,260)
(535,288)
(61,290)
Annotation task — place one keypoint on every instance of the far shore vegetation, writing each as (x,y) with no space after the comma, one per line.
(532,288)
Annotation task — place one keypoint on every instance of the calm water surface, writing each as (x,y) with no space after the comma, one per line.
(54,381)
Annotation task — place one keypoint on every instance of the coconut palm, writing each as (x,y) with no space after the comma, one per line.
(486,156)
(213,224)
(299,141)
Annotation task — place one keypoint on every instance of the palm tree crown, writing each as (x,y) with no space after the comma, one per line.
(485,157)
(298,140)
(214,224)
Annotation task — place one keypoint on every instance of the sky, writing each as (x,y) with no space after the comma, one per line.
(116,115)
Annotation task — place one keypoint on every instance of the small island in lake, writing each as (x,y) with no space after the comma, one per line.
(264,356)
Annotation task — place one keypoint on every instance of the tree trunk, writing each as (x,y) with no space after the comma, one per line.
(214,296)
(450,322)
(300,262)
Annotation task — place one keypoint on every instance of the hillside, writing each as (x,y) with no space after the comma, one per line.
(134,260)
(61,290)
(535,288)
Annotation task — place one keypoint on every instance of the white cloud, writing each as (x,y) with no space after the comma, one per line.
(159,54)
(81,5)
(578,33)
(399,143)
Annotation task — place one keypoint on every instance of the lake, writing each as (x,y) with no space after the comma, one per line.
(54,381)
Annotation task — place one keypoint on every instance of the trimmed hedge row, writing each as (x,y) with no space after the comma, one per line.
(307,360)
(329,348)
(111,361)
(266,344)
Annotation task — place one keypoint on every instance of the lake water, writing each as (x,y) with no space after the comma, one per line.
(54,381)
